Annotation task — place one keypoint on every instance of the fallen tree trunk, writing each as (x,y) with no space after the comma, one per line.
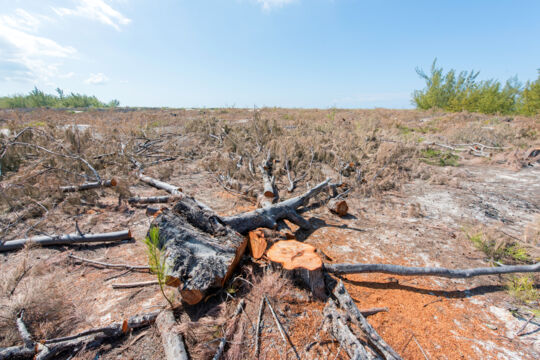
(347,304)
(153,199)
(200,251)
(173,344)
(174,190)
(268,216)
(428,271)
(340,331)
(90,185)
(68,239)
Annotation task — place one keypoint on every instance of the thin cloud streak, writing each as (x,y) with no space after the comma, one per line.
(97,10)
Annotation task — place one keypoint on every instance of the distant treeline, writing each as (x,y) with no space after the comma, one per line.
(462,92)
(37,98)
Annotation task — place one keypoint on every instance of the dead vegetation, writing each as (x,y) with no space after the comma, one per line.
(366,153)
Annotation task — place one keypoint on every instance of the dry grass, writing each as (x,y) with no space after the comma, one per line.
(38,290)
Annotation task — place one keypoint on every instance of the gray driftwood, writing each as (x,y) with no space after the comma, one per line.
(200,251)
(428,271)
(89,185)
(336,325)
(68,239)
(269,216)
(347,304)
(173,343)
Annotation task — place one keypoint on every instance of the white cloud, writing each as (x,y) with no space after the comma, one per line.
(25,55)
(268,4)
(97,10)
(97,79)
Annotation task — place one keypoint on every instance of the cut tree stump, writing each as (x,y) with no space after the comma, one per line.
(303,261)
(200,251)
(338,206)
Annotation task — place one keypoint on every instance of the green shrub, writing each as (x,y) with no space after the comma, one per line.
(462,92)
(523,288)
(37,98)
(530,100)
(438,157)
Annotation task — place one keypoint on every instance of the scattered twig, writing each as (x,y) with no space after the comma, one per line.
(223,340)
(282,331)
(135,284)
(520,332)
(258,332)
(420,347)
(108,265)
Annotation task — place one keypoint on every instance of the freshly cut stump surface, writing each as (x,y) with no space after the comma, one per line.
(292,254)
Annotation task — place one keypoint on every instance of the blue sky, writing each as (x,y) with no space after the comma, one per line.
(291,53)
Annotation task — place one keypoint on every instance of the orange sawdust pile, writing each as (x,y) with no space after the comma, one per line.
(444,324)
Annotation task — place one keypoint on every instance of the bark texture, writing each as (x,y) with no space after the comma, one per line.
(200,251)
(173,344)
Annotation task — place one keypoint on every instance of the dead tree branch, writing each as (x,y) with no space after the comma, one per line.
(346,302)
(87,186)
(282,331)
(68,239)
(153,199)
(428,271)
(269,216)
(174,190)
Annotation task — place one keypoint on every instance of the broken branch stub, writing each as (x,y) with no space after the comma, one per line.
(200,251)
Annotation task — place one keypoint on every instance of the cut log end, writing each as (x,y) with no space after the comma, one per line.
(114,182)
(257,243)
(338,207)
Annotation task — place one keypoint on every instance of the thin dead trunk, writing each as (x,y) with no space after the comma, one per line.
(153,199)
(171,189)
(90,185)
(428,271)
(68,239)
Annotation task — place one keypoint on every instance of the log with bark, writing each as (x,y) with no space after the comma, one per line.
(200,251)
(428,271)
(68,239)
(89,185)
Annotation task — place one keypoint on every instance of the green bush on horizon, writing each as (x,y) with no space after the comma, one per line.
(462,92)
(37,98)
